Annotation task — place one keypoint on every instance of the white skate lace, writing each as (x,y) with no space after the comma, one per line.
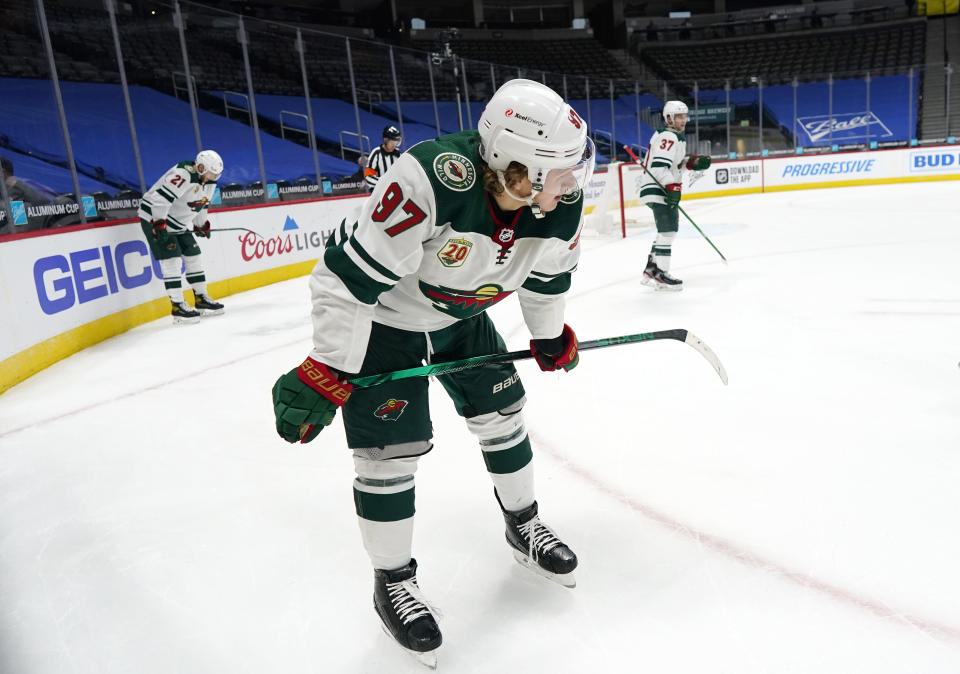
(540,537)
(407,600)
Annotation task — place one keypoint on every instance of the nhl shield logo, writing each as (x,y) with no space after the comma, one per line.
(390,410)
(455,171)
(454,252)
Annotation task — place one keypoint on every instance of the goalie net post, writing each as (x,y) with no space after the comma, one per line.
(617,210)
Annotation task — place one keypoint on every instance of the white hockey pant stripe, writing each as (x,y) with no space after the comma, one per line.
(170,268)
(388,544)
(498,431)
(661,248)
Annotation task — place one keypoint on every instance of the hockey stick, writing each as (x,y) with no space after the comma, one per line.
(477,361)
(636,159)
(235,229)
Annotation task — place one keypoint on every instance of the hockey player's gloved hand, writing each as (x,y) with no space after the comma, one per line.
(673,194)
(202,230)
(306,399)
(160,232)
(557,352)
(698,162)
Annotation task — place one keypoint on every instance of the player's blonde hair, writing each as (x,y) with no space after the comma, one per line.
(513,174)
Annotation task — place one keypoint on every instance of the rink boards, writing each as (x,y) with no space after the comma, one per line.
(794,172)
(61,292)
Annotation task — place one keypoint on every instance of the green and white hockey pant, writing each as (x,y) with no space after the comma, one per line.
(668,223)
(177,252)
(384,487)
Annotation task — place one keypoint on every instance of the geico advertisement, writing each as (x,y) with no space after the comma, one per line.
(63,280)
(57,282)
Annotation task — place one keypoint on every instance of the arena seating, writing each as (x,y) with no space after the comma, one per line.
(807,56)
(331,116)
(50,179)
(101,139)
(888,97)
(583,57)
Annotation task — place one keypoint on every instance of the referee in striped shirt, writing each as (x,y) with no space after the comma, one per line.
(382,157)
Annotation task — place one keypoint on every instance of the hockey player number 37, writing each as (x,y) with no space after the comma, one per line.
(392,198)
(664,144)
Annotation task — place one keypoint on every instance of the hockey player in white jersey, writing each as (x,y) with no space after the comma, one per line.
(457,225)
(171,212)
(666,158)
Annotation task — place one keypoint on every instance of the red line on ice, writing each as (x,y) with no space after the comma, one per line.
(752,560)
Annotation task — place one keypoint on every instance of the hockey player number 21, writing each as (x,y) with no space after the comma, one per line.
(392,198)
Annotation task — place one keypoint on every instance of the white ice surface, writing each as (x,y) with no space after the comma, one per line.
(802,520)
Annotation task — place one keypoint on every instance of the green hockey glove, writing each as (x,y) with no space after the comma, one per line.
(159,228)
(306,399)
(672,194)
(698,162)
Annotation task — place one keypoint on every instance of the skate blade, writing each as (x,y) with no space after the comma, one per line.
(656,285)
(210,312)
(181,320)
(565,579)
(426,658)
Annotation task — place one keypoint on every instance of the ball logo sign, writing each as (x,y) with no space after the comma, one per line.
(843,127)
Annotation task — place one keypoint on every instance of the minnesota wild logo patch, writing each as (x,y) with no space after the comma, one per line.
(390,410)
(455,171)
(463,304)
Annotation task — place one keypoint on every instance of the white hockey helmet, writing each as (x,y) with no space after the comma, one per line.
(671,108)
(208,161)
(529,123)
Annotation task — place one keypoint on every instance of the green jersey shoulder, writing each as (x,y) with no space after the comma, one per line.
(667,129)
(455,170)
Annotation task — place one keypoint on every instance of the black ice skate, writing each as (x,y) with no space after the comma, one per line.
(405,613)
(182,313)
(207,306)
(658,279)
(537,547)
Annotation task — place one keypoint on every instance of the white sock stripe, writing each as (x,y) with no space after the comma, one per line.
(491,444)
(394,486)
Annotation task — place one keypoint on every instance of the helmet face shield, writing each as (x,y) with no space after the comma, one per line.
(583,171)
(570,180)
